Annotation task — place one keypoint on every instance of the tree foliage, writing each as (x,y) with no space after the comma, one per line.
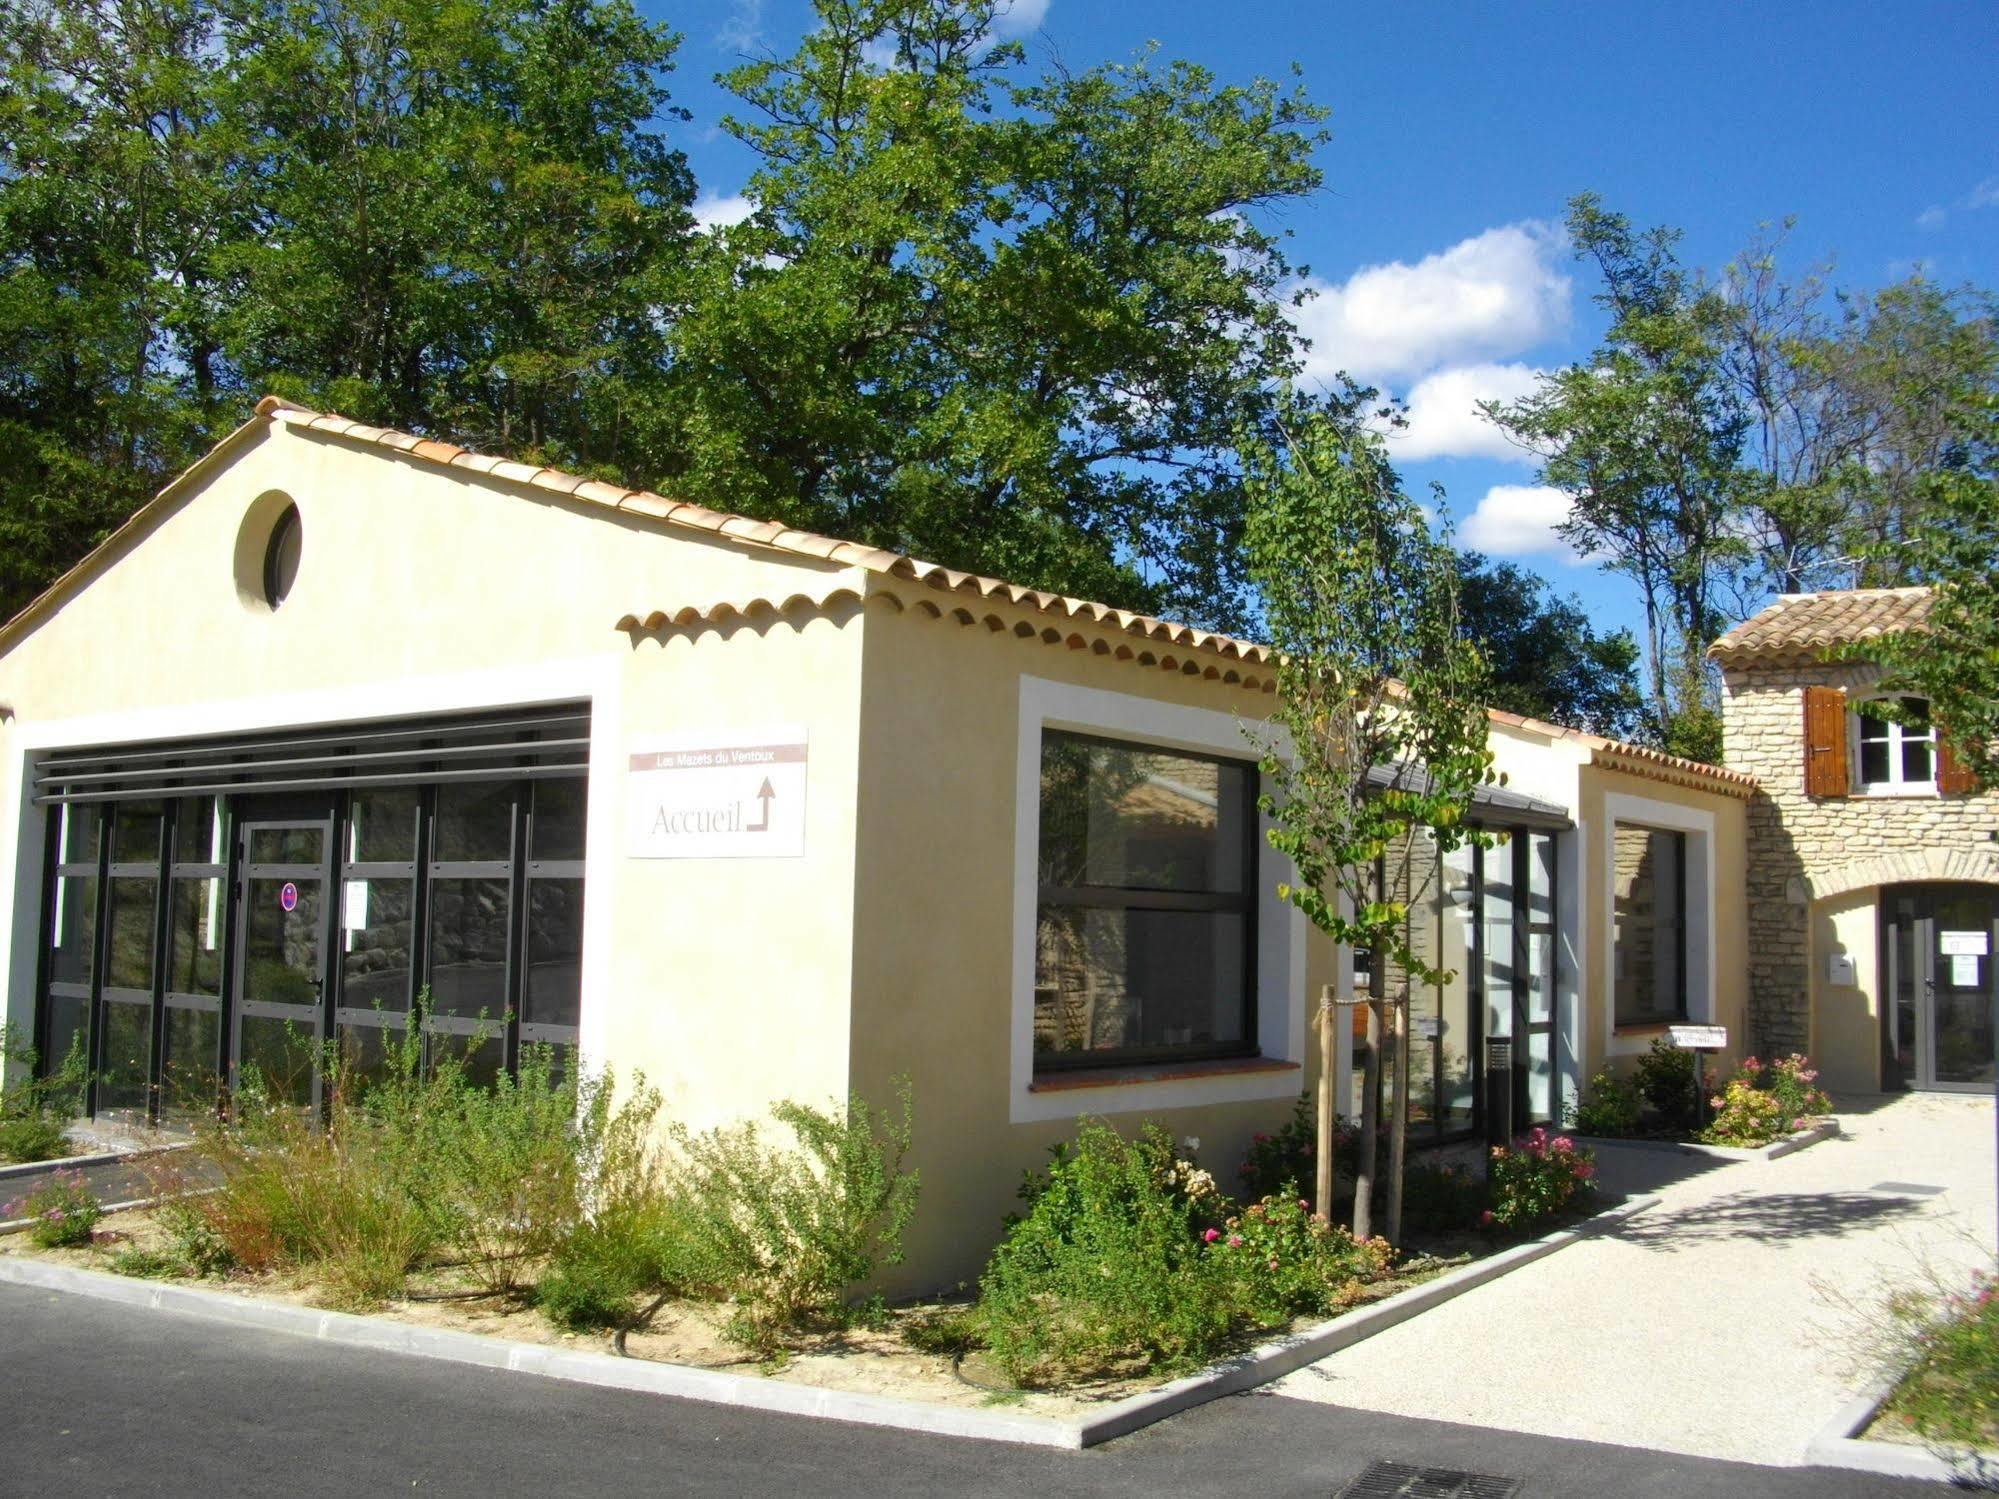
(1954,661)
(1009,321)
(1646,437)
(1546,660)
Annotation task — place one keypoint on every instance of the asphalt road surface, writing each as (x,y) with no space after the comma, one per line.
(97,1399)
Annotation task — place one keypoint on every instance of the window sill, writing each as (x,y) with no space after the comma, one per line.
(1158,1072)
(1906,791)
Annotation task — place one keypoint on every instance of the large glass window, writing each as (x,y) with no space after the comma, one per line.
(1649,892)
(1898,756)
(1145,926)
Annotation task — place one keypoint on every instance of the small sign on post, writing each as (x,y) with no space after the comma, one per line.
(1698,1039)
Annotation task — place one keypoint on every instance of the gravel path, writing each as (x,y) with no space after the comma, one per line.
(1720,1323)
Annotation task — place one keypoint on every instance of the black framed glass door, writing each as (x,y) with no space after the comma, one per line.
(1939,978)
(284,852)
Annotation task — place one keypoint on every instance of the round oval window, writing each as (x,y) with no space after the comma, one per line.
(281,554)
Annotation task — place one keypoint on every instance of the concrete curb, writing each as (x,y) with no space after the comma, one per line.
(1838,1446)
(75,1162)
(1804,1139)
(1258,1367)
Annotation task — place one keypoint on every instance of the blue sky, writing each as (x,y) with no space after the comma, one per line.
(1461,130)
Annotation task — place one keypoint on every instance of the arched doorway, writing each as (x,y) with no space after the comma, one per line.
(1938,980)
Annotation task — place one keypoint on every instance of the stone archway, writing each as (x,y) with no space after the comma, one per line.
(1916,866)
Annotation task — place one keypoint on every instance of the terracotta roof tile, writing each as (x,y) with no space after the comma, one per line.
(1803,627)
(928,574)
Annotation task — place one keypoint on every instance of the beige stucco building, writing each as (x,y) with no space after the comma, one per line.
(1873,874)
(345,716)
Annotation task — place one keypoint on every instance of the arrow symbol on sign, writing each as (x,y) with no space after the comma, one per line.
(764,795)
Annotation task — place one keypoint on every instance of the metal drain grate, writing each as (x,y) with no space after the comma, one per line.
(1906,1189)
(1386,1480)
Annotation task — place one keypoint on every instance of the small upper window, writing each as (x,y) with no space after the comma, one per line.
(281,554)
(1898,755)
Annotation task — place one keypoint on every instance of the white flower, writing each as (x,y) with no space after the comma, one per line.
(1192,1142)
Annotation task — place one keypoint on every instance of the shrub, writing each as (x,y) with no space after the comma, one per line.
(1763,1102)
(1609,1108)
(508,1160)
(1665,1076)
(1949,1350)
(1538,1178)
(1441,1198)
(62,1212)
(785,1232)
(1281,1162)
(1285,1259)
(35,1111)
(1105,1269)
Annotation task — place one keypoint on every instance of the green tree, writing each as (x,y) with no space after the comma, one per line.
(1012,323)
(467,220)
(1545,657)
(1954,660)
(1646,437)
(1380,699)
(114,202)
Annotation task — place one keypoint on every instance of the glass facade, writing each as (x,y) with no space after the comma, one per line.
(1485,919)
(350,905)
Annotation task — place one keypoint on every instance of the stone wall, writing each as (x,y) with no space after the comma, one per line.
(1797,841)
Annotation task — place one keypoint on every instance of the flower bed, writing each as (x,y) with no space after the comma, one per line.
(1762,1103)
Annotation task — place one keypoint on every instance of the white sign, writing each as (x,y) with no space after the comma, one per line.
(721,795)
(1840,970)
(1962,944)
(1424,1027)
(1697,1037)
(1963,971)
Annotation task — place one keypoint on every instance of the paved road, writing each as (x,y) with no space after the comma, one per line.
(97,1399)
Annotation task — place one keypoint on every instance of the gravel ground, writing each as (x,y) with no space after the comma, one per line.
(1723,1322)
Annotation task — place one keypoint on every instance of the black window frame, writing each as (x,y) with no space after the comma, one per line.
(1682,931)
(1140,898)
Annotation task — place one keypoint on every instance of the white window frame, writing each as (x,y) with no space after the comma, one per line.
(1280,926)
(1898,736)
(1699,957)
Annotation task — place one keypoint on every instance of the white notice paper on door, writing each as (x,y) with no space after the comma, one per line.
(1963,972)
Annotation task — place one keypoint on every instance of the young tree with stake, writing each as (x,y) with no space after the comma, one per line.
(1380,694)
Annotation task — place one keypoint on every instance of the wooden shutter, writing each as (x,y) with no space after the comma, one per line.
(1825,741)
(1953,775)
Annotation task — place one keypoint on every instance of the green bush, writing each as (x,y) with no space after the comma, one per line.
(1947,1346)
(1537,1179)
(1106,1269)
(787,1231)
(1665,1076)
(1610,1108)
(1441,1199)
(62,1212)
(1285,1260)
(35,1111)
(1762,1102)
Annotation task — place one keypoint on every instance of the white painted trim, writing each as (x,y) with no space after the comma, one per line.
(1280,927)
(592,678)
(1571,969)
(1699,826)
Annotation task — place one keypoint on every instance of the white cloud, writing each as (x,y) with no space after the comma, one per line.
(742,31)
(1444,419)
(1020,18)
(1518,520)
(1932,217)
(1985,195)
(1497,293)
(713,212)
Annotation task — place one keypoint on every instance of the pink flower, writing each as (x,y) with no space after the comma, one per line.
(1563,1142)
(1304,1206)
(1485,1218)
(1235,1241)
(1273,1262)
(1211,1235)
(1259,1137)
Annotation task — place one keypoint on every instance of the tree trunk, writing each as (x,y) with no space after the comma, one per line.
(1322,1187)
(1370,1121)
(1398,1122)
